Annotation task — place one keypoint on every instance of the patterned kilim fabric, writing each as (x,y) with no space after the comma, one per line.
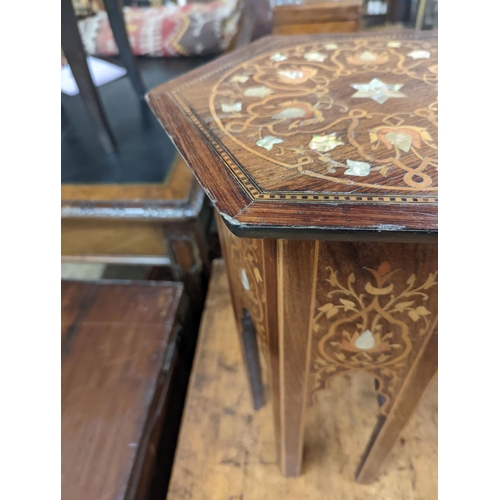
(168,31)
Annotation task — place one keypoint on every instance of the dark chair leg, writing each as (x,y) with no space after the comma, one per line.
(117,23)
(77,59)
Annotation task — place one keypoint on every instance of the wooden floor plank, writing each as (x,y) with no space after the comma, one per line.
(226,451)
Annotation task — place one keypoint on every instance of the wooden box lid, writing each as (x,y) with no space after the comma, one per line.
(115,342)
(323,136)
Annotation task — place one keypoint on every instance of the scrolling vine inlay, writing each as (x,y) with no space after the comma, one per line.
(358,117)
(372,323)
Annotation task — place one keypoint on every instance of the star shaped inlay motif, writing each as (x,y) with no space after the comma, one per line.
(377,90)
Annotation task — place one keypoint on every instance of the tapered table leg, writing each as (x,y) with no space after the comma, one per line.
(296,284)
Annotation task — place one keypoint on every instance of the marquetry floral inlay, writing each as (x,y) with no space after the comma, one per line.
(240,78)
(366,324)
(244,259)
(365,341)
(229,108)
(277,57)
(358,168)
(322,110)
(419,54)
(244,280)
(261,91)
(402,138)
(315,56)
(324,143)
(377,90)
(268,142)
(292,112)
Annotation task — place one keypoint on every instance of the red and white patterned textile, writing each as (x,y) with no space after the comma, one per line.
(168,31)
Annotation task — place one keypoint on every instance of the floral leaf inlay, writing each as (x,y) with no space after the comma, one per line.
(290,113)
(401,306)
(400,140)
(260,91)
(330,309)
(278,57)
(419,54)
(377,90)
(370,332)
(348,305)
(244,280)
(333,277)
(365,340)
(294,99)
(296,76)
(417,313)
(268,142)
(240,78)
(431,280)
(324,143)
(325,307)
(315,57)
(229,108)
(367,56)
(291,75)
(357,168)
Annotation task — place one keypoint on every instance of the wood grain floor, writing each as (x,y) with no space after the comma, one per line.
(226,451)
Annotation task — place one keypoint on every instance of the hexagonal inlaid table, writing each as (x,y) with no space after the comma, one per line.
(320,156)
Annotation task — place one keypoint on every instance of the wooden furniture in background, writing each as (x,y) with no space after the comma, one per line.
(121,356)
(166,223)
(316,16)
(320,155)
(76,57)
(145,224)
(225,450)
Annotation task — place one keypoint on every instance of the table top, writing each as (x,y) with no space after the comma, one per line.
(115,338)
(322,136)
